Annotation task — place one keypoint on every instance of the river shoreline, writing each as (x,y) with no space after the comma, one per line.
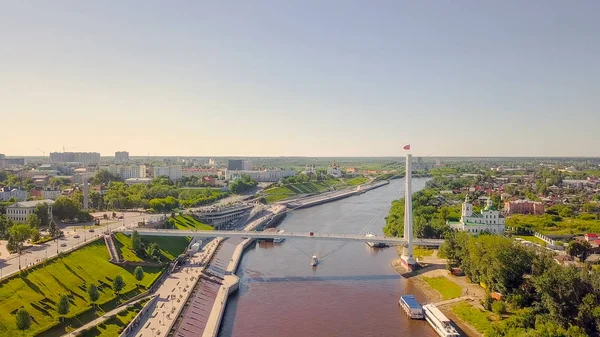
(436,267)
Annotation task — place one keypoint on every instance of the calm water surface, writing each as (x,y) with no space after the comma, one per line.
(352,292)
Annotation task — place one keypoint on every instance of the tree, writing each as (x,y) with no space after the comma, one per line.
(66,208)
(137,244)
(5,224)
(93,294)
(104,177)
(63,306)
(153,251)
(498,307)
(17,235)
(118,284)
(23,320)
(33,221)
(138,272)
(54,232)
(578,248)
(41,210)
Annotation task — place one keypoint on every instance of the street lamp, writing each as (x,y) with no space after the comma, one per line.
(163,317)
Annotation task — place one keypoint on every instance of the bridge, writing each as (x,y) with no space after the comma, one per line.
(285,235)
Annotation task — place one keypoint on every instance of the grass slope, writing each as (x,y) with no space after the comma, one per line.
(477,318)
(40,289)
(283,192)
(170,247)
(356,181)
(113,326)
(444,286)
(188,222)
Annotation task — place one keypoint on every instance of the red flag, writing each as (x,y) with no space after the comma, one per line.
(407,147)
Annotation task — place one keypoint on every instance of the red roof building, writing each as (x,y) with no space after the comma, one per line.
(591,237)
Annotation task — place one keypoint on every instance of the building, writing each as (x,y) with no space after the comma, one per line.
(173,172)
(524,207)
(334,170)
(310,169)
(198,172)
(11,162)
(121,157)
(247,165)
(590,237)
(489,220)
(20,211)
(236,164)
(6,193)
(132,181)
(75,157)
(127,171)
(211,162)
(261,176)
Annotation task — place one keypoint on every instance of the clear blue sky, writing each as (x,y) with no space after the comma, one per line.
(312,78)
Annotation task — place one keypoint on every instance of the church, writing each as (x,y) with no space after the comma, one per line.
(489,220)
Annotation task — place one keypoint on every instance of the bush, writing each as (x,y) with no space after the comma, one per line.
(486,303)
(498,307)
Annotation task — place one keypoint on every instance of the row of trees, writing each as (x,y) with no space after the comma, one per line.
(555,298)
(142,249)
(243,184)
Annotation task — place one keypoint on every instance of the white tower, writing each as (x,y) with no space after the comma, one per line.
(467,207)
(408,254)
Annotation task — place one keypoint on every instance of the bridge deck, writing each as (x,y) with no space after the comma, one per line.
(271,235)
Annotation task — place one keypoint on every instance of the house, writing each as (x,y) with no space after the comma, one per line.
(489,220)
(20,211)
(591,237)
(7,192)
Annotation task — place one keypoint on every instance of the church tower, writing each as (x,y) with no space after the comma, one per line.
(467,207)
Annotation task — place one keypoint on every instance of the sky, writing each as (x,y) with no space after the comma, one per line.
(301,78)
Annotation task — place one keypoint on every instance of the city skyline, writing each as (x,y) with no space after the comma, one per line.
(301,78)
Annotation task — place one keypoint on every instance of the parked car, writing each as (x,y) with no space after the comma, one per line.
(92,230)
(63,244)
(77,236)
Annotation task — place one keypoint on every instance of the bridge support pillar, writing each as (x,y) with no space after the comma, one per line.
(407,257)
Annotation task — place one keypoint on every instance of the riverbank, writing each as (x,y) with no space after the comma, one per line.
(315,200)
(434,267)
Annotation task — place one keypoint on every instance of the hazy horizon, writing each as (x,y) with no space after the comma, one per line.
(301,79)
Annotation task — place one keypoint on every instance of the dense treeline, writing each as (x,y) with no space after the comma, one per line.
(547,299)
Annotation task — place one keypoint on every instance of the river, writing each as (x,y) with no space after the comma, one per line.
(353,291)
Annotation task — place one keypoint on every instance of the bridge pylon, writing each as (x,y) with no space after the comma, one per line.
(407,257)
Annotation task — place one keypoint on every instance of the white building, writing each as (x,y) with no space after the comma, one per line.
(75,157)
(334,170)
(261,176)
(489,220)
(6,193)
(127,171)
(121,157)
(310,169)
(247,165)
(19,211)
(199,172)
(173,172)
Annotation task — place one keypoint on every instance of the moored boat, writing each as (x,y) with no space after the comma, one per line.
(314,260)
(439,322)
(411,307)
(375,244)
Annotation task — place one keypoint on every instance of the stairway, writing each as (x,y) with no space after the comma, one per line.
(112,249)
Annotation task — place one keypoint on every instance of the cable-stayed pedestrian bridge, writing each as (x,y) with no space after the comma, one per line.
(285,235)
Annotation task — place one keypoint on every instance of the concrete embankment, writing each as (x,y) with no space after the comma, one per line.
(332,196)
(230,281)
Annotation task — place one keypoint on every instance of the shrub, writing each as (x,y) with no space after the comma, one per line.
(498,307)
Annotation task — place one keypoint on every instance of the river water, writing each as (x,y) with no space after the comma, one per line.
(353,291)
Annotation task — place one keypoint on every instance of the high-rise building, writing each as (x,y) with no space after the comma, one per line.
(173,172)
(235,164)
(121,157)
(127,171)
(75,157)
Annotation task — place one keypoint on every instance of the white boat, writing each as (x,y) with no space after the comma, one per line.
(439,322)
(314,261)
(374,244)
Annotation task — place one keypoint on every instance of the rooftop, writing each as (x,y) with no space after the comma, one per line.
(32,203)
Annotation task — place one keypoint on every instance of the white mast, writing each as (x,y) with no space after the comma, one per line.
(408,254)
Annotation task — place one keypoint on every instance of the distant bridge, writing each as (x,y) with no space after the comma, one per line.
(285,235)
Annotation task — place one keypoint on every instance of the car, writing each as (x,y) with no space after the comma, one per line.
(63,244)
(92,230)
(77,236)
(121,217)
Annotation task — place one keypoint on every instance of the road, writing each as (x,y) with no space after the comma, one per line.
(272,235)
(75,236)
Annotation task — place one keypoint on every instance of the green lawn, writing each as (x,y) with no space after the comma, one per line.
(444,286)
(421,252)
(531,238)
(549,224)
(112,326)
(188,222)
(356,181)
(39,290)
(477,318)
(170,247)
